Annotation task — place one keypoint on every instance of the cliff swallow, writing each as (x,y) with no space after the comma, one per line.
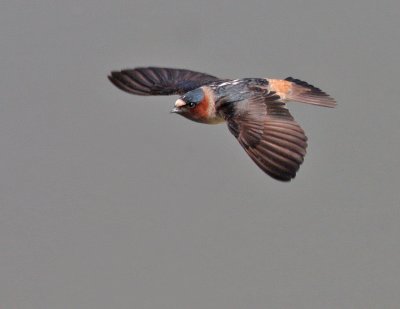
(253,108)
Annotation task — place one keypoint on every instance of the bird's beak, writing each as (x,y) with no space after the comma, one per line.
(178,104)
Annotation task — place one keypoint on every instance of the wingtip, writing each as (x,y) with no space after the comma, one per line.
(125,82)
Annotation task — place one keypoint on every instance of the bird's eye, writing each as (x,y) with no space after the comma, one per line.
(194,97)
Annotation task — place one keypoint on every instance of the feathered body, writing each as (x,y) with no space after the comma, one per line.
(253,108)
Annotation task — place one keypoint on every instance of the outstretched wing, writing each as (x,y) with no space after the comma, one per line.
(269,135)
(159,81)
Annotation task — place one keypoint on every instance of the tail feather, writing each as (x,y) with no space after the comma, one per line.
(305,93)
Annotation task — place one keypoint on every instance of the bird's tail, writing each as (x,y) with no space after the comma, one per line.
(292,89)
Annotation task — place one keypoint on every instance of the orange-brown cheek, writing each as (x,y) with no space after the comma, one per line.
(201,109)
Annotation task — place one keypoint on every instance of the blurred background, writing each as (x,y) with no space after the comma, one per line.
(109,201)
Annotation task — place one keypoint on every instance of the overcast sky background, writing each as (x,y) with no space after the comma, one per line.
(109,201)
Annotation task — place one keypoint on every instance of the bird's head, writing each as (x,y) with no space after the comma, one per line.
(193,105)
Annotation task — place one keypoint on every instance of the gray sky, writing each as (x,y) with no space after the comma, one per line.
(109,201)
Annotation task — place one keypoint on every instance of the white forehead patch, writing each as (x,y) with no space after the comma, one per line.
(179,103)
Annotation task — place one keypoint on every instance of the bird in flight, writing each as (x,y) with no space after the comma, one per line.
(253,108)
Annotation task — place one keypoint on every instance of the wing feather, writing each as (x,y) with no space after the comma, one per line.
(268,134)
(159,81)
